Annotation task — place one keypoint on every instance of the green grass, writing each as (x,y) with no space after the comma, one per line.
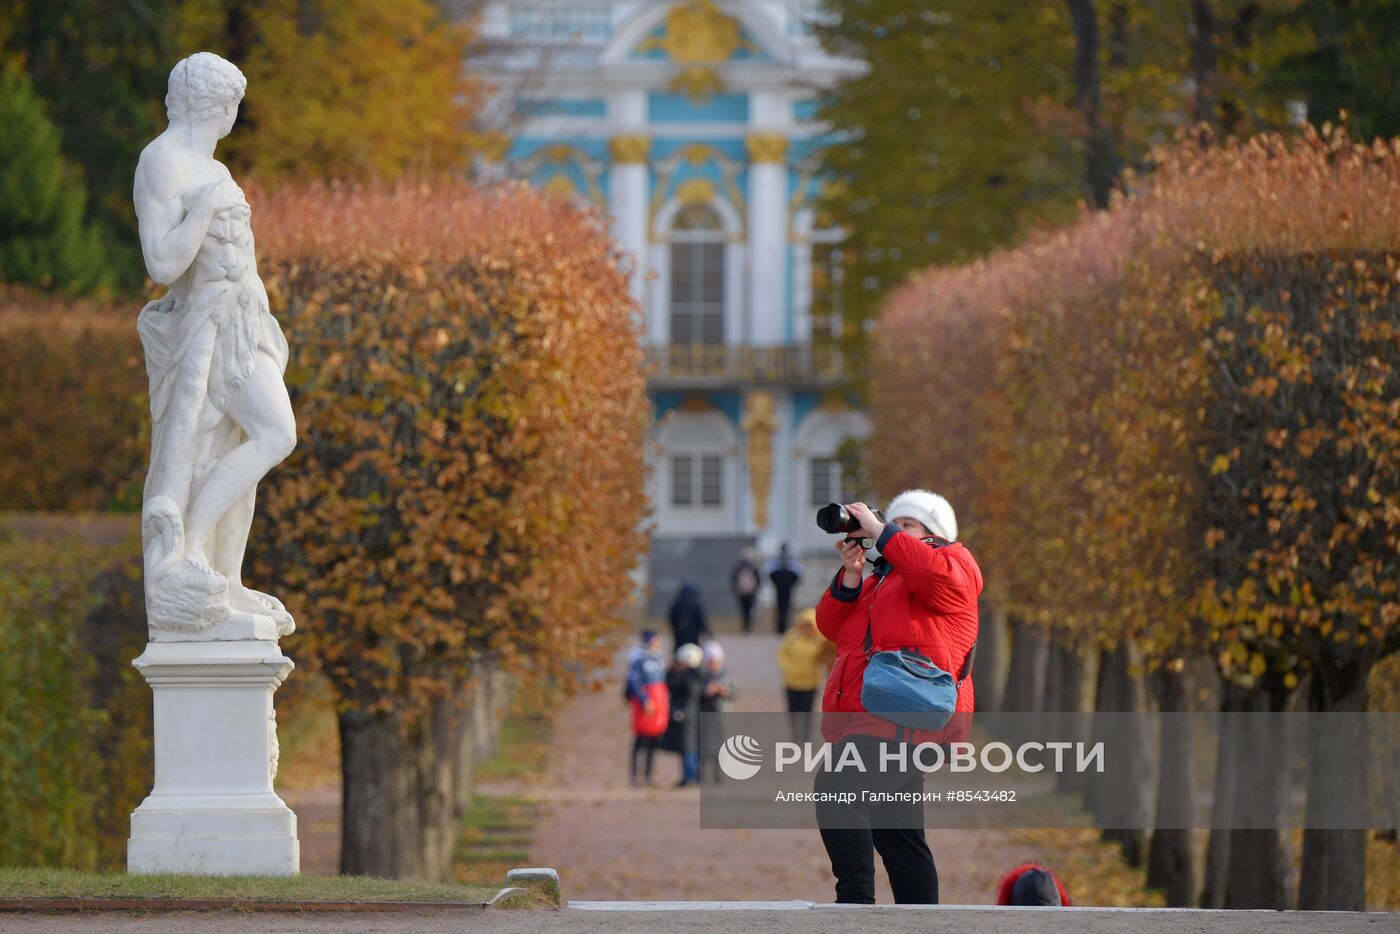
(495,834)
(67,883)
(494,837)
(522,750)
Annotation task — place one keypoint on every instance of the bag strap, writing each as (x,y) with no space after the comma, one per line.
(967,663)
(870,616)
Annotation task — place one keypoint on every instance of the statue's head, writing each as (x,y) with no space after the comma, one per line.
(205,88)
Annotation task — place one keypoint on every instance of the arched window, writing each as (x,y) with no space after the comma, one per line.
(697,276)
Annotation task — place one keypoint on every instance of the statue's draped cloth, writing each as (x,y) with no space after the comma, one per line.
(201,347)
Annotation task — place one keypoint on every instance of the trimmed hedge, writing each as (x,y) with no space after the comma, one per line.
(74,427)
(76,729)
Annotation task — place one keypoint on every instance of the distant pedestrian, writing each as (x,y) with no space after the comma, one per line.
(716,694)
(804,657)
(683,731)
(650,701)
(784,572)
(1032,884)
(744,581)
(688,623)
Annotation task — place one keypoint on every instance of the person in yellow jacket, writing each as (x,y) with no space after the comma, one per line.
(804,657)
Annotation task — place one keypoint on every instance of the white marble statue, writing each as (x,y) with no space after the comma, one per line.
(220,415)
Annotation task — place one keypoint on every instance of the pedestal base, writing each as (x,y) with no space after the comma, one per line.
(213,810)
(209,835)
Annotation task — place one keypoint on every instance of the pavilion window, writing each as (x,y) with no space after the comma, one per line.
(697,277)
(697,479)
(711,477)
(682,486)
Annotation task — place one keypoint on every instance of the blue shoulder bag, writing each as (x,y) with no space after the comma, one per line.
(906,688)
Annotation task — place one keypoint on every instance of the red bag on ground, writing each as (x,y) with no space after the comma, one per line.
(654,723)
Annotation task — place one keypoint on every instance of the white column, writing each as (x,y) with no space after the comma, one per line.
(782,526)
(768,239)
(627,197)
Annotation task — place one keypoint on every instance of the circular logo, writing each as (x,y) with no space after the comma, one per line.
(740,757)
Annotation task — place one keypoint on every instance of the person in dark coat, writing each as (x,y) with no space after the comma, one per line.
(716,693)
(688,623)
(784,572)
(684,682)
(744,581)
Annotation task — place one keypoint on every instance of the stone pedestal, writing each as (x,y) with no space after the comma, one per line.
(212,810)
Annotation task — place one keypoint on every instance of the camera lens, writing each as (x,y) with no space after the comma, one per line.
(834,519)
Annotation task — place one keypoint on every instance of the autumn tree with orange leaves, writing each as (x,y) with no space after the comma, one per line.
(1185,440)
(468,480)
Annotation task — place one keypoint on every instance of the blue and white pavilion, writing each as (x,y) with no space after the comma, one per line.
(689,125)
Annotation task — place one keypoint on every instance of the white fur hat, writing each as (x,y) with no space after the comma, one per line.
(929,508)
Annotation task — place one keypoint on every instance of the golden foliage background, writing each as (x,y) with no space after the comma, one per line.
(1177,418)
(471,405)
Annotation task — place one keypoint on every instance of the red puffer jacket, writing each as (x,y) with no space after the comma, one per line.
(927,602)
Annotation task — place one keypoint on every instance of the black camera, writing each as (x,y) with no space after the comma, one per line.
(833,519)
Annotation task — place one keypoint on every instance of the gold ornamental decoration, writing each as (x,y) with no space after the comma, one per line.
(698,31)
(767,147)
(695,191)
(696,403)
(561,186)
(630,150)
(697,82)
(760,425)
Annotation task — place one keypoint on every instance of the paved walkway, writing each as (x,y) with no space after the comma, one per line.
(694,919)
(611,841)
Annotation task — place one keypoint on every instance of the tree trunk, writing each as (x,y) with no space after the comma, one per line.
(1025,682)
(1051,698)
(397,809)
(1217,872)
(1038,668)
(1105,699)
(437,788)
(1135,696)
(1050,703)
(1073,666)
(1261,861)
(469,751)
(1205,62)
(1124,687)
(1101,166)
(488,699)
(1171,858)
(989,673)
(1334,861)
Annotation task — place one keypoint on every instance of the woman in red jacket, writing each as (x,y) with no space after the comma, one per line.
(921,596)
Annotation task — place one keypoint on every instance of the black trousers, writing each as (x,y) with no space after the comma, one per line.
(643,745)
(799,704)
(746,612)
(782,611)
(854,832)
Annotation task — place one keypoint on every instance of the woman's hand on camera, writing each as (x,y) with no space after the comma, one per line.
(852,559)
(871,526)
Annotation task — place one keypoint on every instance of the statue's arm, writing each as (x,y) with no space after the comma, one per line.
(171,234)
